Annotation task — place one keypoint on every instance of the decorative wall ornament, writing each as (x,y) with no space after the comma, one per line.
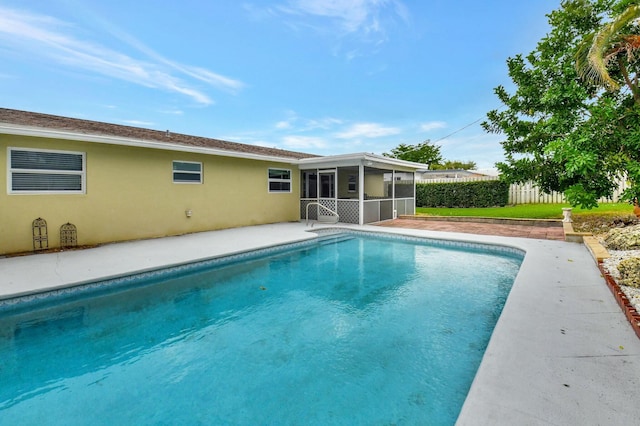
(68,235)
(40,234)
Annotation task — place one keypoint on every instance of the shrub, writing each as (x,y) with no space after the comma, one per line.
(486,193)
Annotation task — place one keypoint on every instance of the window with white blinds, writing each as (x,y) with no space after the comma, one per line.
(34,171)
(187,172)
(279,180)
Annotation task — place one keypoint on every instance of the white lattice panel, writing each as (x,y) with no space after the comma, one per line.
(313,210)
(348,211)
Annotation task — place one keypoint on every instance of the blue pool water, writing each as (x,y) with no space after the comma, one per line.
(350,330)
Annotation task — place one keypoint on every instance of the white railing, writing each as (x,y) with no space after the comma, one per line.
(319,215)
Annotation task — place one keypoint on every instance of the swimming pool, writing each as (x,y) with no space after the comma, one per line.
(354,329)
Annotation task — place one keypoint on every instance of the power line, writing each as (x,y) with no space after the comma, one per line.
(459,130)
(462,128)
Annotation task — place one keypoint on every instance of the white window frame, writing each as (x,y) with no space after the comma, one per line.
(82,173)
(270,180)
(191,172)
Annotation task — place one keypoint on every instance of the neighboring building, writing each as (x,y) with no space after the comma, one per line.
(452,174)
(93,183)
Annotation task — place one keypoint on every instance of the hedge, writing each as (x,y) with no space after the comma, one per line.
(485,193)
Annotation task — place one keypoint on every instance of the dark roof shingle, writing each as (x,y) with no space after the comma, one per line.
(75,125)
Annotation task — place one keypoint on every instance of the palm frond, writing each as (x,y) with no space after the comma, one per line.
(598,49)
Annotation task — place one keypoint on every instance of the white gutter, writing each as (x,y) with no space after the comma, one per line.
(367,159)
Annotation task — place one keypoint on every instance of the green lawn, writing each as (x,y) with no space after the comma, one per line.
(529,211)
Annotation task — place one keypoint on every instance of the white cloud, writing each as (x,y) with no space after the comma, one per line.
(257,13)
(293,121)
(432,125)
(216,80)
(321,123)
(353,15)
(304,142)
(288,122)
(367,130)
(173,111)
(46,37)
(361,17)
(281,125)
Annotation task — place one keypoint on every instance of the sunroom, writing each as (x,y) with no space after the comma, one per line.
(356,188)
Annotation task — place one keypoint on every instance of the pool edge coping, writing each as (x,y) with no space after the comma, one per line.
(42,294)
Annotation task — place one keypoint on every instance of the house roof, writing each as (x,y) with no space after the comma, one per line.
(35,124)
(21,121)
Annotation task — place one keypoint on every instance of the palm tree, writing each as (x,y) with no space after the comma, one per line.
(611,43)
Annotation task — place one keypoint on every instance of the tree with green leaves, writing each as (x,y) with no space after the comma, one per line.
(564,129)
(425,153)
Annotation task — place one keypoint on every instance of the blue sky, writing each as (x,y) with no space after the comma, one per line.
(318,76)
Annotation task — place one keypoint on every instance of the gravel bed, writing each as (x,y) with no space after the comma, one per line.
(611,266)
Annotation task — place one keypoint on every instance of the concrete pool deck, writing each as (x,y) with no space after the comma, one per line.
(562,351)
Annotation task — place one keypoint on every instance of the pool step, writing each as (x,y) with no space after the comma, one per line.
(332,239)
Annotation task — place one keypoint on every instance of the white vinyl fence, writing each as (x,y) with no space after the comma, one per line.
(529,193)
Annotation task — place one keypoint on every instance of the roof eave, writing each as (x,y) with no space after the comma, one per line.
(364,158)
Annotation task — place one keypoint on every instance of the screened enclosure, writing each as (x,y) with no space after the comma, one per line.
(358,193)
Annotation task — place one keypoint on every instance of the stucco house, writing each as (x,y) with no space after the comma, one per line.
(78,182)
